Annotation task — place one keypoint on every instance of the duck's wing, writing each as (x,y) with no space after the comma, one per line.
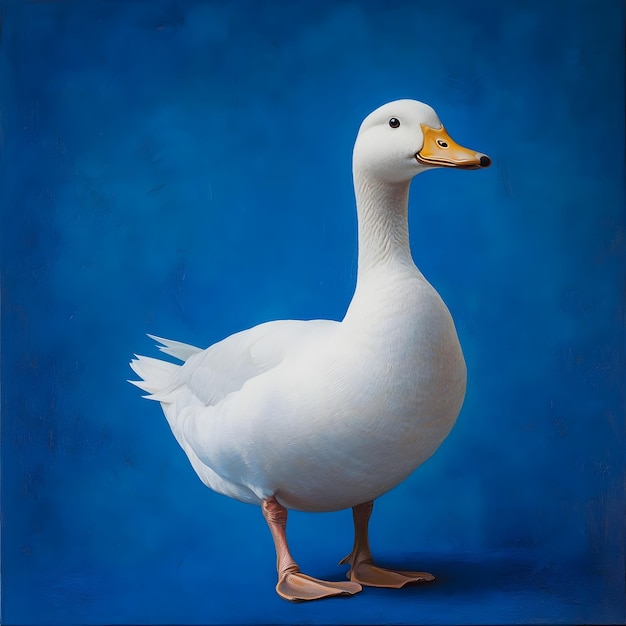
(208,376)
(205,398)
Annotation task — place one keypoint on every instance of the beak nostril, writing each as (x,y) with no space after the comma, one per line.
(485,161)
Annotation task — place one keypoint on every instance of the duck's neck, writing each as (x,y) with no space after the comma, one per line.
(383,224)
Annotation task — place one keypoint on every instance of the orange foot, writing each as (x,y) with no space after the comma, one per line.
(298,587)
(370,575)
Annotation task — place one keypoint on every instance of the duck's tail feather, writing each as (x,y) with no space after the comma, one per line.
(156,376)
(180,351)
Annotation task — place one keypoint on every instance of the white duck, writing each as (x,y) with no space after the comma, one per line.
(323,415)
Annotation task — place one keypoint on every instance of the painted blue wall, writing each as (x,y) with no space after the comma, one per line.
(183,168)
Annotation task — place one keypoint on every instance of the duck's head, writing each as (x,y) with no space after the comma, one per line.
(403,138)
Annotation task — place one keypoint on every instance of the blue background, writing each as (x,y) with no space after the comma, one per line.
(183,168)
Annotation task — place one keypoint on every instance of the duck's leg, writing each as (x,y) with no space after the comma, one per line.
(362,569)
(292,583)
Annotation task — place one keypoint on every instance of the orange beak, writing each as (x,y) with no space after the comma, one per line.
(440,150)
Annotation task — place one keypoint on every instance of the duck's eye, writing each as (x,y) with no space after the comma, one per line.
(441,143)
(394,122)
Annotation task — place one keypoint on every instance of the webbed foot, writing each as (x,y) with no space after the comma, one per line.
(370,575)
(362,569)
(298,587)
(292,584)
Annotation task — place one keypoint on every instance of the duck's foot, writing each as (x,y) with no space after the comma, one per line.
(370,575)
(298,587)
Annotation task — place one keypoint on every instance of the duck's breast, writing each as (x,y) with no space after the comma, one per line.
(370,404)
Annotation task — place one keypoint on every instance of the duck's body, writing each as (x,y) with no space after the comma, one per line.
(323,415)
(330,414)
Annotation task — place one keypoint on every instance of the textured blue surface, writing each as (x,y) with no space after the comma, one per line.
(183,168)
